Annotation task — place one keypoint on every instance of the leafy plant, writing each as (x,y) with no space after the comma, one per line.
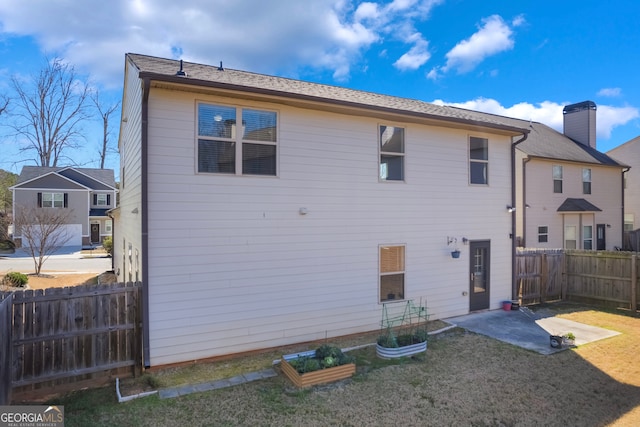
(15,279)
(107,244)
(569,336)
(326,356)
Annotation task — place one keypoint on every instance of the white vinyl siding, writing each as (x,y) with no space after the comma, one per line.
(252,272)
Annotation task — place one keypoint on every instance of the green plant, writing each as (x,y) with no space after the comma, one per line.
(15,279)
(569,336)
(107,244)
(325,356)
(7,245)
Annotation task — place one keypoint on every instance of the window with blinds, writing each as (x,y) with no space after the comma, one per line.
(224,147)
(391,273)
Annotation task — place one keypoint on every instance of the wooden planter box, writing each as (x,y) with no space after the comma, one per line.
(321,376)
(394,353)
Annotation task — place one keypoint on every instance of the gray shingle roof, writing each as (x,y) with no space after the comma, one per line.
(104,176)
(578,205)
(542,141)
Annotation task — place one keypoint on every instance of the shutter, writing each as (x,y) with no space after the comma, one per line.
(66,200)
(95,199)
(108,199)
(39,200)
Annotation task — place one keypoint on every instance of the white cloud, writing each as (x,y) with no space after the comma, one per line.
(610,92)
(550,113)
(416,57)
(493,37)
(271,37)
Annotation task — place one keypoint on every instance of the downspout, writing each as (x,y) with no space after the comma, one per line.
(513,214)
(524,200)
(146,81)
(624,171)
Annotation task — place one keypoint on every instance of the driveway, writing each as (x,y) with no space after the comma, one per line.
(71,259)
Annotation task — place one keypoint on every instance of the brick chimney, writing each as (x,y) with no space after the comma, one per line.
(580,122)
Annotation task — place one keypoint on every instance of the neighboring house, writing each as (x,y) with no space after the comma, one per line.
(87,193)
(629,153)
(298,224)
(569,195)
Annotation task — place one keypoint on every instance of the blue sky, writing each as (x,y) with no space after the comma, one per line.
(524,59)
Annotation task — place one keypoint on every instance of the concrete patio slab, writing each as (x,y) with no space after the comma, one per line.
(524,329)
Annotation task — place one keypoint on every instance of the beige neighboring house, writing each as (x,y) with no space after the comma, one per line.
(260,211)
(629,153)
(569,194)
(86,193)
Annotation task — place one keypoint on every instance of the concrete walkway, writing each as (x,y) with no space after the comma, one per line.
(527,330)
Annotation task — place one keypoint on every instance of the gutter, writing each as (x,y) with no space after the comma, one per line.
(144,185)
(514,291)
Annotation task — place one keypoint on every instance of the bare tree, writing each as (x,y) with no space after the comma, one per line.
(105,112)
(49,110)
(43,232)
(4,104)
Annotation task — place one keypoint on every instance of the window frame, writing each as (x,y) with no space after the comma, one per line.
(401,155)
(574,239)
(587,241)
(556,180)
(237,140)
(400,272)
(476,161)
(543,235)
(45,203)
(100,196)
(586,184)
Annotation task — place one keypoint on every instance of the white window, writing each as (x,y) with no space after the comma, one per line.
(391,153)
(586,181)
(391,273)
(557,179)
(478,160)
(108,226)
(587,237)
(51,200)
(223,147)
(628,222)
(570,239)
(543,234)
(101,200)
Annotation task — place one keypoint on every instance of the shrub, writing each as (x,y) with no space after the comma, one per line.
(7,245)
(15,279)
(107,244)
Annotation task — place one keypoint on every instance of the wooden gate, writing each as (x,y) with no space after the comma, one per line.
(539,275)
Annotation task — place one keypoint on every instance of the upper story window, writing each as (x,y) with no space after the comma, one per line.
(586,181)
(391,153)
(478,160)
(557,179)
(52,200)
(225,147)
(101,199)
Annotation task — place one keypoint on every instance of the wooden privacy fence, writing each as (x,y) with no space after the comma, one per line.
(603,277)
(5,351)
(539,275)
(65,335)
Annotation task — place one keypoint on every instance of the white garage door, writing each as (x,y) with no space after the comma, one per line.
(72,233)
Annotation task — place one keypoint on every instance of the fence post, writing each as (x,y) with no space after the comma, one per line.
(634,282)
(6,349)
(544,274)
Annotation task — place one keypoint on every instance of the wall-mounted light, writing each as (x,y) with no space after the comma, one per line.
(511,208)
(303,211)
(135,211)
(465,241)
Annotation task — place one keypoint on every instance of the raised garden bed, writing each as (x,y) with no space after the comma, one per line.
(315,377)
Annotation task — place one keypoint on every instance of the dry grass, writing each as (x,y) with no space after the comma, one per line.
(465,379)
(51,279)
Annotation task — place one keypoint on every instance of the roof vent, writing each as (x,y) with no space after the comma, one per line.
(181,71)
(220,67)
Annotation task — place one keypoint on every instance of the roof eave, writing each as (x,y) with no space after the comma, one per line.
(302,97)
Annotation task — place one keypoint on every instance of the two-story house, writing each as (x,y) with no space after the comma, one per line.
(261,211)
(85,194)
(569,195)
